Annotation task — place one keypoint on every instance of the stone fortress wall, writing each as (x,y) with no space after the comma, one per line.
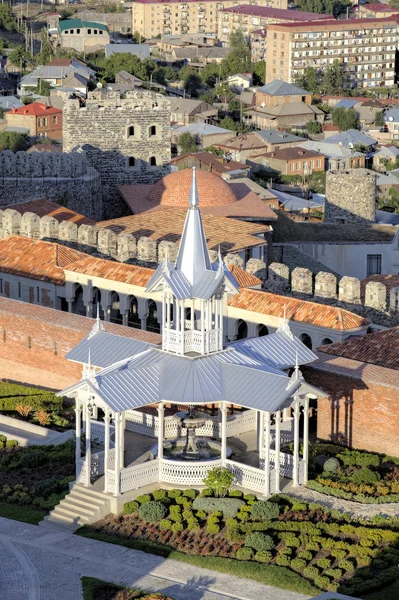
(350,196)
(126,138)
(64,178)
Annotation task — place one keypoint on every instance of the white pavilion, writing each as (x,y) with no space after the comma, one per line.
(123,376)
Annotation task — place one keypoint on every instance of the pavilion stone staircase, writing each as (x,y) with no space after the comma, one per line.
(81,506)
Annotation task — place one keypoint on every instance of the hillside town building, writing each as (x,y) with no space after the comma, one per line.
(39,120)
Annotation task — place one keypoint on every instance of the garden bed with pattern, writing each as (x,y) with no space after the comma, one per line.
(354,474)
(324,549)
(96,589)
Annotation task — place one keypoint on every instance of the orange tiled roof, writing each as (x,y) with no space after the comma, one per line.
(36,109)
(231,234)
(303,311)
(36,259)
(243,278)
(107,269)
(46,207)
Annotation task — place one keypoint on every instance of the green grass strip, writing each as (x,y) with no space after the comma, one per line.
(26,514)
(267,574)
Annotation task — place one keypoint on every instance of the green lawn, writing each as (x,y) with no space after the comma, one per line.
(96,589)
(389,593)
(26,514)
(267,574)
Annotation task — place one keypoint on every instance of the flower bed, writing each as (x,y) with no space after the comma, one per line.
(323,548)
(36,476)
(96,589)
(355,475)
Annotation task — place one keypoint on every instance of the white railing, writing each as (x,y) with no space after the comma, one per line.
(246,476)
(96,466)
(111,481)
(186,472)
(286,463)
(97,429)
(301,475)
(239,423)
(141,422)
(139,475)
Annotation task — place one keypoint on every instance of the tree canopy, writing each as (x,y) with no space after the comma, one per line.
(8,19)
(345,118)
(186,143)
(10,140)
(326,7)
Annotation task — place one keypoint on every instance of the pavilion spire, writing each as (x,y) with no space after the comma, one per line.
(98,325)
(285,327)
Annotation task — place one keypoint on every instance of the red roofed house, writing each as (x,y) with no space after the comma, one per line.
(41,120)
(377,10)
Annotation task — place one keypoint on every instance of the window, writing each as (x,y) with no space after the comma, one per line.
(153,130)
(292,166)
(298,166)
(19,289)
(153,161)
(66,32)
(318,163)
(55,120)
(132,161)
(72,31)
(37,294)
(95,31)
(373,264)
(1,285)
(39,122)
(130,131)
(78,31)
(45,121)
(89,31)
(101,32)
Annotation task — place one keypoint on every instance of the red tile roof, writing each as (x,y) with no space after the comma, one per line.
(303,311)
(243,278)
(336,24)
(207,158)
(36,109)
(36,259)
(276,13)
(44,208)
(381,8)
(293,153)
(107,269)
(380,348)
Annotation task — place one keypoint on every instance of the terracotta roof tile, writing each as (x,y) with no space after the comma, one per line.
(36,259)
(107,269)
(231,234)
(297,310)
(243,278)
(380,348)
(46,207)
(36,109)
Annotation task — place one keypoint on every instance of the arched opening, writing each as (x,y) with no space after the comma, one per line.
(152,130)
(133,319)
(115,314)
(132,161)
(153,161)
(242,330)
(130,131)
(306,340)
(152,318)
(78,304)
(96,300)
(262,330)
(326,341)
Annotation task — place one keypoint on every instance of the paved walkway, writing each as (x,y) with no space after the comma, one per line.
(46,564)
(355,509)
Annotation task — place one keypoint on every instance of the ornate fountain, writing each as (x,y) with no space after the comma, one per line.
(191,447)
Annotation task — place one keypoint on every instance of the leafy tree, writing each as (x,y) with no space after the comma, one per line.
(223,90)
(19,55)
(8,19)
(209,97)
(330,7)
(309,80)
(390,203)
(345,118)
(229,123)
(159,76)
(210,74)
(186,143)
(313,127)
(333,79)
(213,150)
(379,119)
(170,73)
(219,480)
(239,59)
(259,72)
(10,140)
(193,84)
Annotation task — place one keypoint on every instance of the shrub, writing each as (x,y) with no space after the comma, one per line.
(228,506)
(324,563)
(234,535)
(333,573)
(243,516)
(201,514)
(282,560)
(165,525)
(153,511)
(219,480)
(193,525)
(12,394)
(173,494)
(206,493)
(23,409)
(305,555)
(176,527)
(329,464)
(358,458)
(346,565)
(365,475)
(235,494)
(250,498)
(42,417)
(310,572)
(159,494)
(3,439)
(11,443)
(299,506)
(259,541)
(231,523)
(190,494)
(46,487)
(322,582)
(263,556)
(212,528)
(338,554)
(244,554)
(59,420)
(298,564)
(143,499)
(264,510)
(187,514)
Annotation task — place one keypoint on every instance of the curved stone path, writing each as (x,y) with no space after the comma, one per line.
(355,509)
(46,564)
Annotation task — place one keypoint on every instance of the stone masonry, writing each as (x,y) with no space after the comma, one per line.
(350,196)
(126,138)
(63,178)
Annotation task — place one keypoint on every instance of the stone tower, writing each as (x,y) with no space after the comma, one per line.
(126,138)
(350,196)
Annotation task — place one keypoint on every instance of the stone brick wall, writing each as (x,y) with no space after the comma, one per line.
(357,412)
(350,196)
(101,128)
(64,178)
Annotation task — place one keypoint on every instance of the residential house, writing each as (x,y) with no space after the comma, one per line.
(354,139)
(250,144)
(280,92)
(257,43)
(9,102)
(185,111)
(40,120)
(204,134)
(240,81)
(289,115)
(391,118)
(199,56)
(117,22)
(294,161)
(83,36)
(337,156)
(376,10)
(55,74)
(386,154)
(207,161)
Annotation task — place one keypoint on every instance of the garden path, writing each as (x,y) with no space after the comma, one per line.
(42,564)
(355,509)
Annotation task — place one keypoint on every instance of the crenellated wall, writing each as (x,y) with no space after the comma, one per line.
(63,178)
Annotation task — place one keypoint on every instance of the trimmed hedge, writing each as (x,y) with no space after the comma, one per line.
(259,541)
(12,394)
(264,510)
(228,506)
(153,511)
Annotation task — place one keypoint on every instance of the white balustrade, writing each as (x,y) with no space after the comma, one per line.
(301,477)
(139,475)
(246,476)
(186,472)
(96,467)
(98,431)
(286,463)
(239,423)
(141,422)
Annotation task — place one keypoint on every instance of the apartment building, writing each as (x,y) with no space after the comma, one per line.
(252,18)
(39,120)
(178,17)
(366,48)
